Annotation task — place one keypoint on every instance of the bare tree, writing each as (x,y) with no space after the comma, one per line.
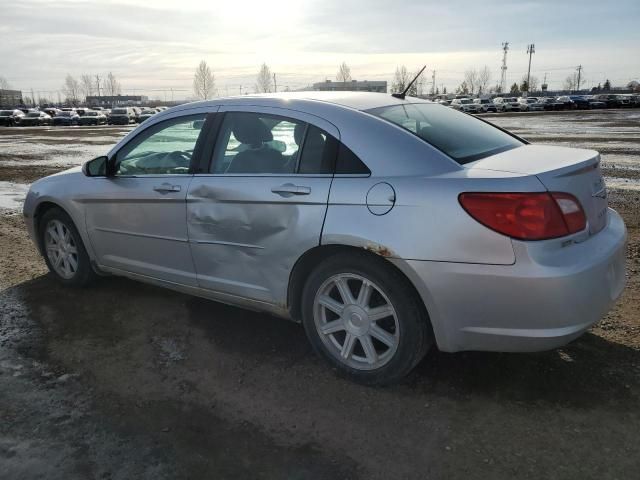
(532,86)
(571,82)
(471,79)
(463,88)
(204,84)
(484,78)
(400,79)
(86,85)
(344,73)
(71,90)
(4,84)
(112,85)
(264,80)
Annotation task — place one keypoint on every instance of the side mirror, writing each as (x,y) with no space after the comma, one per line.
(96,167)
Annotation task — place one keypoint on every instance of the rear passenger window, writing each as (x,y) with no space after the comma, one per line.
(348,162)
(318,151)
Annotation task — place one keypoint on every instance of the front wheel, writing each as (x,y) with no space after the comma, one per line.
(64,252)
(364,317)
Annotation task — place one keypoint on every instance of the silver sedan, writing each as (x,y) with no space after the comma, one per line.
(384,225)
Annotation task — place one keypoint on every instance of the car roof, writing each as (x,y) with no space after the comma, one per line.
(354,100)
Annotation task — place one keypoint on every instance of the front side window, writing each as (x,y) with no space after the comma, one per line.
(460,136)
(256,143)
(163,149)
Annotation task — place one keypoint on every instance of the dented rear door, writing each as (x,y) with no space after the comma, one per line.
(246,231)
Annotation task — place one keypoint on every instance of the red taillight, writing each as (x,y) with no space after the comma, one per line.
(526,216)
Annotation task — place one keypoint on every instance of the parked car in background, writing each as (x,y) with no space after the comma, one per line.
(550,103)
(136,113)
(82,110)
(92,117)
(624,100)
(11,118)
(320,227)
(567,103)
(35,119)
(530,104)
(445,102)
(121,116)
(66,118)
(486,104)
(52,112)
(507,104)
(146,114)
(466,105)
(580,102)
(635,100)
(609,99)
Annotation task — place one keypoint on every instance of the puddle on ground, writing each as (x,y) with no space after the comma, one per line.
(12,195)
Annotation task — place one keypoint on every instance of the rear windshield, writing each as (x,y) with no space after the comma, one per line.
(119,111)
(91,114)
(33,114)
(461,136)
(64,114)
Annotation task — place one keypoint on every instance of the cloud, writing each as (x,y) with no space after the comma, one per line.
(156,45)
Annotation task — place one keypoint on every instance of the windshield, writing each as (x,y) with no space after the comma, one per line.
(33,114)
(91,114)
(466,100)
(119,111)
(64,114)
(5,113)
(462,137)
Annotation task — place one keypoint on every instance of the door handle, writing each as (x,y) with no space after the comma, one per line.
(167,187)
(289,189)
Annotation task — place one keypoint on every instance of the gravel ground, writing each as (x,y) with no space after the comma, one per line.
(123,380)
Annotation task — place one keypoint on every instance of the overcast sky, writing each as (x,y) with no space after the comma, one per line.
(155,45)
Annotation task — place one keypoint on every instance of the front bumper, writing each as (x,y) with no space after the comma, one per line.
(547,298)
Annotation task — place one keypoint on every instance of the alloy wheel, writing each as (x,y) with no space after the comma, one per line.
(356,321)
(62,251)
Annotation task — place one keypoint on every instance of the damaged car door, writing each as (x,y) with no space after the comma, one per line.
(261,201)
(135,215)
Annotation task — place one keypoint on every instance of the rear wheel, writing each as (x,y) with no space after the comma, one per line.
(364,318)
(64,252)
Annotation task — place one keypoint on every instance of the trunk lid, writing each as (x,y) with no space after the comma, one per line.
(560,169)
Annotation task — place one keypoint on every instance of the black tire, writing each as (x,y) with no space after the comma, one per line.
(414,331)
(84,273)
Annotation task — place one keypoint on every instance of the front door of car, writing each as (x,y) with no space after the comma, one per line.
(136,216)
(261,201)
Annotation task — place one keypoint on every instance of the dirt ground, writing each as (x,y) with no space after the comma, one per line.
(123,380)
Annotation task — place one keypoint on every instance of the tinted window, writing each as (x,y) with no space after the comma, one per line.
(255,143)
(462,137)
(318,152)
(348,162)
(164,149)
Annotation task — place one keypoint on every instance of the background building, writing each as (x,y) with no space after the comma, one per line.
(352,86)
(113,100)
(10,98)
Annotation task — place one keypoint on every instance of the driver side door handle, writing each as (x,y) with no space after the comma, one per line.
(167,187)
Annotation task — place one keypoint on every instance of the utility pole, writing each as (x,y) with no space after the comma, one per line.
(579,68)
(544,85)
(503,76)
(33,99)
(275,85)
(98,84)
(531,49)
(240,89)
(433,82)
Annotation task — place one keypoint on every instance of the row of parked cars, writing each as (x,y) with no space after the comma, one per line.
(528,104)
(76,116)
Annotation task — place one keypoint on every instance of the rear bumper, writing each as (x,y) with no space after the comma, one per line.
(546,299)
